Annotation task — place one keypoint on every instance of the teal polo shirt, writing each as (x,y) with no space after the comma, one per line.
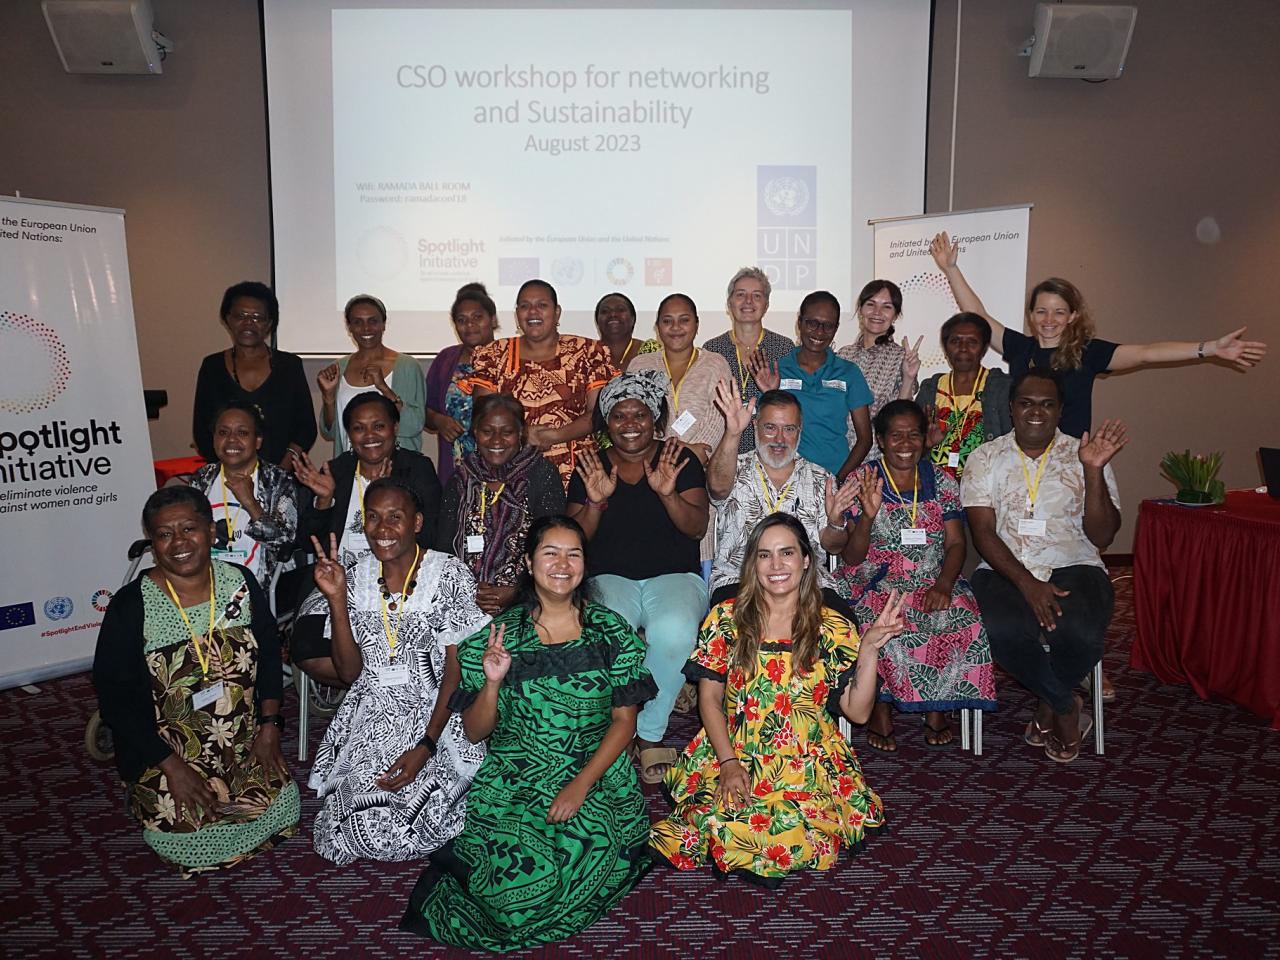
(827,397)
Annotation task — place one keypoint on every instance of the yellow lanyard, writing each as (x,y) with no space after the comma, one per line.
(626,353)
(485,505)
(1033,489)
(742,367)
(769,502)
(973,397)
(360,490)
(226,510)
(195,641)
(675,385)
(915,494)
(393,636)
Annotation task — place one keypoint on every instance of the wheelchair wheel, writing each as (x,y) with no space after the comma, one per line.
(97,739)
(323,700)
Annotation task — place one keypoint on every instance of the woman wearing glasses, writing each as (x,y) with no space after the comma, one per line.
(251,370)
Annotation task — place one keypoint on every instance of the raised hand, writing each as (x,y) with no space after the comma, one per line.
(327,381)
(910,359)
(764,371)
(870,491)
(600,485)
(728,400)
(320,482)
(662,478)
(496,660)
(242,486)
(1241,353)
(889,624)
(838,500)
(936,434)
(1098,449)
(329,574)
(945,252)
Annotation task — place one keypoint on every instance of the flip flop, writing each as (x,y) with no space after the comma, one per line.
(1035,734)
(938,732)
(655,762)
(1060,752)
(888,744)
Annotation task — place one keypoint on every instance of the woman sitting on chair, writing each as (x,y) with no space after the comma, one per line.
(394,765)
(187,672)
(769,785)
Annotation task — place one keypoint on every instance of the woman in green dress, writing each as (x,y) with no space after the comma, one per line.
(556,827)
(187,672)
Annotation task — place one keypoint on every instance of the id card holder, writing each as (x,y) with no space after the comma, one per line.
(210,694)
(683,423)
(914,537)
(1030,527)
(953,458)
(232,556)
(393,675)
(791,383)
(475,543)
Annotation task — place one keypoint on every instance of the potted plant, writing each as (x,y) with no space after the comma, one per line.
(1195,476)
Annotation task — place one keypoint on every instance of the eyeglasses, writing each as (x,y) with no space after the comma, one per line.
(241,316)
(787,429)
(821,326)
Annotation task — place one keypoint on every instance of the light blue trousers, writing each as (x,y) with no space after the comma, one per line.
(669,609)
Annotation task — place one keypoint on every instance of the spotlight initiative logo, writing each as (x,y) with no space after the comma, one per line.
(34,369)
(786,225)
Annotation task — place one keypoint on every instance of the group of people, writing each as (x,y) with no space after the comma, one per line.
(761,524)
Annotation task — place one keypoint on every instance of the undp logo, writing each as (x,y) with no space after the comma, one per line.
(58,608)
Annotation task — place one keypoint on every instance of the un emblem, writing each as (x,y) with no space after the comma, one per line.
(786,196)
(58,608)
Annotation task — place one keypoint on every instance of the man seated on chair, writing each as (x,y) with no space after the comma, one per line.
(1041,507)
(770,478)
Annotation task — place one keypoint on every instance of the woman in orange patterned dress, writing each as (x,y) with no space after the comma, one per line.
(769,785)
(556,376)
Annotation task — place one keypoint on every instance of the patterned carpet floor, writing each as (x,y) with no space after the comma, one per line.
(1167,846)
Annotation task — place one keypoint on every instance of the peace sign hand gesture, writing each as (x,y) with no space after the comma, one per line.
(320,482)
(599,485)
(662,478)
(910,359)
(1097,450)
(889,624)
(329,574)
(497,661)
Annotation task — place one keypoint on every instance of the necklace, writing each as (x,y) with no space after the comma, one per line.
(406,591)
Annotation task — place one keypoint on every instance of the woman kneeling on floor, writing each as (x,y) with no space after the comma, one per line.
(394,766)
(770,786)
(188,677)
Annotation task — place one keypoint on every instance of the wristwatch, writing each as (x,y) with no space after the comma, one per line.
(429,742)
(275,719)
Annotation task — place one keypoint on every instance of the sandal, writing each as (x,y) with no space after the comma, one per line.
(884,742)
(1060,752)
(1035,735)
(655,762)
(933,736)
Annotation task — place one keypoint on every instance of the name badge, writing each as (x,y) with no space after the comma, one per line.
(683,423)
(835,385)
(202,698)
(790,384)
(232,556)
(953,459)
(475,543)
(914,537)
(393,675)
(1029,527)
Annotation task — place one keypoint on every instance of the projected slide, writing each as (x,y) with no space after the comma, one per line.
(636,150)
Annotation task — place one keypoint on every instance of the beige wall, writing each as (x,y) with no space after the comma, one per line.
(1120,173)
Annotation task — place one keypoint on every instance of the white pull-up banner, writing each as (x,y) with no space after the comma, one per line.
(75,454)
(993,258)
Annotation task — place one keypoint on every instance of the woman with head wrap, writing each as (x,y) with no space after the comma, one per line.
(643,504)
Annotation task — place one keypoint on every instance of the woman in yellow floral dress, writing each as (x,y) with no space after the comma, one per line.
(769,785)
(187,672)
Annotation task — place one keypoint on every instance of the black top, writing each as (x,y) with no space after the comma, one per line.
(544,496)
(1023,353)
(413,468)
(123,682)
(284,399)
(636,539)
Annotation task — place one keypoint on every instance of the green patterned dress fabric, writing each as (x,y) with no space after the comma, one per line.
(215,740)
(510,879)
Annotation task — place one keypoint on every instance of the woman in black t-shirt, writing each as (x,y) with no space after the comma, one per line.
(1063,340)
(643,504)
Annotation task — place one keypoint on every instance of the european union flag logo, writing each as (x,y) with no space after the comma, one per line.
(17,615)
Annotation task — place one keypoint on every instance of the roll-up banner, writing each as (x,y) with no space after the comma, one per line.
(993,258)
(75,454)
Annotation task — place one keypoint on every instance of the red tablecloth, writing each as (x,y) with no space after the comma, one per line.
(166,470)
(1206,583)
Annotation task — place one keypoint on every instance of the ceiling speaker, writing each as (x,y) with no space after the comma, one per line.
(1087,41)
(103,36)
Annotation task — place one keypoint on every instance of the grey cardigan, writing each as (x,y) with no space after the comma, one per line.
(996,419)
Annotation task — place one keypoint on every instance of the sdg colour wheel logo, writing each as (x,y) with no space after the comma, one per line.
(34,369)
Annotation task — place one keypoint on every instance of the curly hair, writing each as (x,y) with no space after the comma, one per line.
(1076,336)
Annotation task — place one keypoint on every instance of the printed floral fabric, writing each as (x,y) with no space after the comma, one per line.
(942,660)
(960,419)
(808,796)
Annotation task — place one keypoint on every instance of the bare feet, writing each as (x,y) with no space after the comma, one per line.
(880,729)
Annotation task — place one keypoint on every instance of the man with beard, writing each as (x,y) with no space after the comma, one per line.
(747,487)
